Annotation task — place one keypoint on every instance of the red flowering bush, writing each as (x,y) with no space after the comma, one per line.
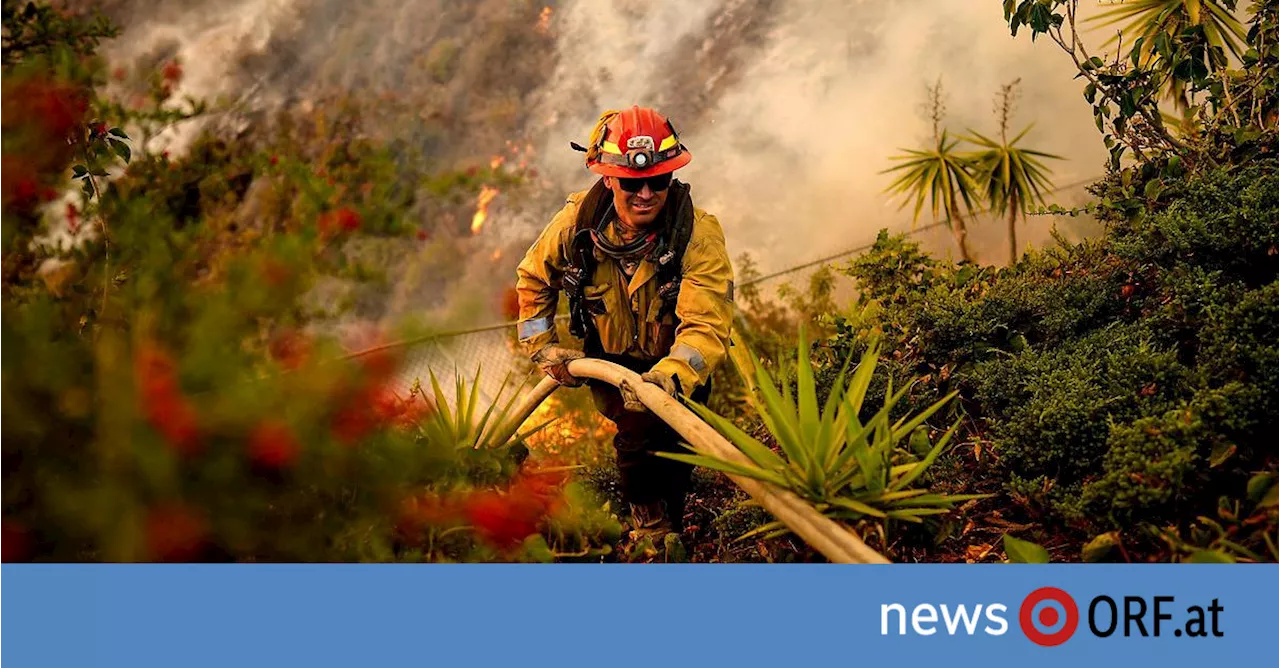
(174,395)
(336,222)
(273,444)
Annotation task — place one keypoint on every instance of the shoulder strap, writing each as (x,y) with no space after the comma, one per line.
(582,259)
(669,255)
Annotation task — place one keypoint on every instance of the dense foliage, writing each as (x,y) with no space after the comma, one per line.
(176,387)
(1124,380)
(1125,383)
(170,391)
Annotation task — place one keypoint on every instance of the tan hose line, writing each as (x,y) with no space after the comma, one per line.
(823,534)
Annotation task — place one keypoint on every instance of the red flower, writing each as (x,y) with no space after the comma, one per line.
(177,421)
(501,521)
(24,180)
(154,369)
(386,404)
(175,533)
(167,410)
(273,444)
(422,235)
(172,72)
(381,364)
(15,542)
(25,188)
(274,160)
(341,220)
(58,107)
(504,520)
(353,421)
(119,73)
(73,219)
(357,415)
(391,409)
(414,410)
(416,513)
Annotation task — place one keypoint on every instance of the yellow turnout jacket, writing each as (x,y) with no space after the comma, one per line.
(688,344)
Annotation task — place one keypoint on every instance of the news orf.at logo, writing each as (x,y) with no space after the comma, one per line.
(1048,616)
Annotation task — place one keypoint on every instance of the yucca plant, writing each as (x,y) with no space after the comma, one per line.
(849,469)
(1011,177)
(944,176)
(939,173)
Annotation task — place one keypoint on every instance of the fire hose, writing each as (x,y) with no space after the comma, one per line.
(833,541)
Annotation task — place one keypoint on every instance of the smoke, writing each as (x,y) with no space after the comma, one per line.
(791,108)
(809,103)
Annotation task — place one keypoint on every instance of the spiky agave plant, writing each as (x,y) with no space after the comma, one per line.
(830,457)
(461,426)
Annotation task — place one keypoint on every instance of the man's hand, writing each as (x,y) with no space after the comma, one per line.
(632,402)
(554,360)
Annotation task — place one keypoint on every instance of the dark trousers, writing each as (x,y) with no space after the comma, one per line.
(645,477)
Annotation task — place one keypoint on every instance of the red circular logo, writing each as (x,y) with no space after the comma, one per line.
(1041,621)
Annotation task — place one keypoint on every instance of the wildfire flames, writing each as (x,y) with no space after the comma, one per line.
(571,427)
(487,193)
(544,20)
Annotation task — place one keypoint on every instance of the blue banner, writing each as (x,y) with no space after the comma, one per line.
(624,615)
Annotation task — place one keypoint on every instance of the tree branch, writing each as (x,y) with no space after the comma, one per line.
(1079,55)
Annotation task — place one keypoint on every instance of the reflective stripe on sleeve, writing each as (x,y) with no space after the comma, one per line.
(527,329)
(690,355)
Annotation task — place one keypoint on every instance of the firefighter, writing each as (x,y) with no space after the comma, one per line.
(649,286)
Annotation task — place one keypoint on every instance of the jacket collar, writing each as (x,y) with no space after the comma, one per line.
(644,273)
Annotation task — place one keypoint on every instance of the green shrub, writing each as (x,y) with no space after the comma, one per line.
(1121,380)
(1149,465)
(1238,340)
(1057,403)
(1222,220)
(168,393)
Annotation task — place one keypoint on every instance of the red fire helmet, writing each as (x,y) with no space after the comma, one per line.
(634,143)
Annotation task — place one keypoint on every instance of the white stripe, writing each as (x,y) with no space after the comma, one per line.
(527,329)
(691,355)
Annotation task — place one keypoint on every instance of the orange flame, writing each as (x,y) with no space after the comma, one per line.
(486,196)
(544,20)
(497,255)
(496,161)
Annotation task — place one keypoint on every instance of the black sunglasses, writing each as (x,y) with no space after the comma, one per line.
(657,183)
